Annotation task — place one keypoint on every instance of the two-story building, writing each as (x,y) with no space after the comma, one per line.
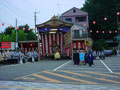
(80,27)
(76,16)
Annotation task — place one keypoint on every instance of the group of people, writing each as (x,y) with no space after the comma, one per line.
(17,56)
(83,57)
(99,55)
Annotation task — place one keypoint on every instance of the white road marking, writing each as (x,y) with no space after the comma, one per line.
(9,66)
(14,65)
(106,67)
(61,65)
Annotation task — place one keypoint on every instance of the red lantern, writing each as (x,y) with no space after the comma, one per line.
(110,32)
(28,29)
(23,29)
(94,22)
(3,24)
(83,30)
(103,31)
(105,19)
(10,26)
(77,28)
(118,13)
(33,29)
(17,28)
(116,31)
(84,25)
(97,31)
(90,30)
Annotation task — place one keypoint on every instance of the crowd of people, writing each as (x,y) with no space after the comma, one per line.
(83,57)
(17,56)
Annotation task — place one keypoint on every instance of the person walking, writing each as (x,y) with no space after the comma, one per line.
(90,58)
(76,57)
(82,57)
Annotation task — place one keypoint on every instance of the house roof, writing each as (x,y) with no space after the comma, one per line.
(31,41)
(55,22)
(71,13)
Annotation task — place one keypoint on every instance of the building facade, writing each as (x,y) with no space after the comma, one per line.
(76,16)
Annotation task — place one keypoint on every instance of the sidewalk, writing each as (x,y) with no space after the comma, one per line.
(16,85)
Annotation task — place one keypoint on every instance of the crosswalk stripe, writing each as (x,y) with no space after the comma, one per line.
(90,76)
(46,78)
(71,78)
(104,74)
(117,73)
(107,80)
(76,73)
(21,77)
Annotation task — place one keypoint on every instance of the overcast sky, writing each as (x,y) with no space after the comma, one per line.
(24,10)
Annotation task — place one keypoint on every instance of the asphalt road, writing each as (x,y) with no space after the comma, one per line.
(102,72)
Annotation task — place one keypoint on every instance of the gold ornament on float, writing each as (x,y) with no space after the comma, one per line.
(88,42)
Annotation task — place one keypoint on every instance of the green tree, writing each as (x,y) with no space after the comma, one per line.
(10,34)
(8,30)
(97,11)
(22,36)
(99,45)
(31,36)
(13,36)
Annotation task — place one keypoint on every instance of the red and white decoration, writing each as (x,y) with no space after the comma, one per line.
(47,42)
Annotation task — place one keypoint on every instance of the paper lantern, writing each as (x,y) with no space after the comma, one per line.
(90,30)
(17,28)
(10,26)
(118,13)
(23,29)
(94,22)
(83,30)
(84,25)
(97,31)
(110,32)
(77,28)
(28,29)
(105,19)
(116,31)
(103,31)
(3,24)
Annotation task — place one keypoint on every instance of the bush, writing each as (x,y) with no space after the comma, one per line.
(114,52)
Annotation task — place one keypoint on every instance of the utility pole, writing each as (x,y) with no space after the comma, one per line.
(38,36)
(16,35)
(35,19)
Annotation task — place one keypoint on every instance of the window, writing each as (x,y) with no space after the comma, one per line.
(68,19)
(80,19)
(74,10)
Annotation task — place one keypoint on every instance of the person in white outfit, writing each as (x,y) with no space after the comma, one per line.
(35,55)
(118,52)
(22,56)
(30,56)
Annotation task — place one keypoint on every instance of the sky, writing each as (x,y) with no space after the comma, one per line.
(23,11)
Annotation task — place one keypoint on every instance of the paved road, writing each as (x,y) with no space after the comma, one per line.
(103,72)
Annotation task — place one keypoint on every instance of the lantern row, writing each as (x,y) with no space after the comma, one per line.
(104,31)
(18,28)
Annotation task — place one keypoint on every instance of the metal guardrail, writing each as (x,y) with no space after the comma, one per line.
(78,36)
